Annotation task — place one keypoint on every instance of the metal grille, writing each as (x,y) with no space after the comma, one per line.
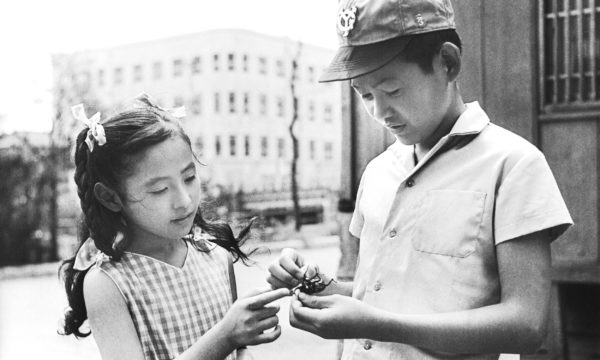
(569,48)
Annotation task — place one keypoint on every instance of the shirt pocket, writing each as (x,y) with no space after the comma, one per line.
(449,222)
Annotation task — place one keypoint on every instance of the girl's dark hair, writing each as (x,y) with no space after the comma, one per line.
(128,133)
(422,48)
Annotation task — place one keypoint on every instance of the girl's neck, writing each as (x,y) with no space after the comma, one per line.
(153,246)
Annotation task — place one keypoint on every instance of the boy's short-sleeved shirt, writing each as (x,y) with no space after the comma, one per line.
(428,232)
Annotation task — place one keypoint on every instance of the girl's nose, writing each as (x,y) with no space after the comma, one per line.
(182,198)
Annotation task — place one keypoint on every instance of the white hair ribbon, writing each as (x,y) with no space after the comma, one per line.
(95,132)
(88,255)
(178,112)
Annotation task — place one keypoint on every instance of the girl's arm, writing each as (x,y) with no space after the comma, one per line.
(515,325)
(116,337)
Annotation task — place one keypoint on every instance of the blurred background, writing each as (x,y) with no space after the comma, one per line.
(276,144)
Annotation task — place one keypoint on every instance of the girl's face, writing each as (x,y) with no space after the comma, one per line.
(162,194)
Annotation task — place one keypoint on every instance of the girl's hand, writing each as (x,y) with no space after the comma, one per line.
(289,270)
(249,317)
(331,317)
(244,354)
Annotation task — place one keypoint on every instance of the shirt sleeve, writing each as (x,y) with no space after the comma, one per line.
(528,200)
(357,221)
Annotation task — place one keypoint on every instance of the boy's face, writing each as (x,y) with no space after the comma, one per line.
(163,192)
(410,103)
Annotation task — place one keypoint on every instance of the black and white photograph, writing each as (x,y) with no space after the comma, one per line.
(279,180)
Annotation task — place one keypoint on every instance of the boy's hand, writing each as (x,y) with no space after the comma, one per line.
(331,317)
(289,270)
(248,318)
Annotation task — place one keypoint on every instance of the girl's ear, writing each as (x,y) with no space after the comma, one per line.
(108,197)
(451,60)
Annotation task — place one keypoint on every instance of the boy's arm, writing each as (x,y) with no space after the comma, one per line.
(515,325)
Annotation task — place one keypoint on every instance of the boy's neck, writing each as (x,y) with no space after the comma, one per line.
(454,111)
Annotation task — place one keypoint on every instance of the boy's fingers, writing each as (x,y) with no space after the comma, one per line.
(263,299)
(301,317)
(276,283)
(278,272)
(314,302)
(268,336)
(291,262)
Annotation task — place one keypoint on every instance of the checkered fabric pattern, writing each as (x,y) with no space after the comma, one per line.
(173,307)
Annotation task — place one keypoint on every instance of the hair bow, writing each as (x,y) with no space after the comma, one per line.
(95,132)
(144,99)
(88,255)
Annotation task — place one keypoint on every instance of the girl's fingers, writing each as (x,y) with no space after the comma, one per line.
(267,323)
(267,312)
(258,301)
(268,337)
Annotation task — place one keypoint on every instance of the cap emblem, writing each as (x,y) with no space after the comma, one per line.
(346,19)
(420,20)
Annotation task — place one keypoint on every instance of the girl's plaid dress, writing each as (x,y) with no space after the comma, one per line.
(173,307)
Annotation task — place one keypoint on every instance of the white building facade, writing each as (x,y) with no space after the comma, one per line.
(235,85)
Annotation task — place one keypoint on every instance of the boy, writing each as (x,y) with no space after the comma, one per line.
(455,219)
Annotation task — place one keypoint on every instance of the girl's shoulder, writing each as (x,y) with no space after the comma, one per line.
(100,291)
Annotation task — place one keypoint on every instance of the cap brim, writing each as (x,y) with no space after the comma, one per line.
(353,61)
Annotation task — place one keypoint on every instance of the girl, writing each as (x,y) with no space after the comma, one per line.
(154,279)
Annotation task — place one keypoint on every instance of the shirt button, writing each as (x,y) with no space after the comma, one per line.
(393,233)
(377,286)
(367,345)
(410,182)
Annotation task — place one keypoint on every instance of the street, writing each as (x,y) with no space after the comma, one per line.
(31,310)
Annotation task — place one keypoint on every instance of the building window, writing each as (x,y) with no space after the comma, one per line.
(246,103)
(280,70)
(280,107)
(328,113)
(311,110)
(232,103)
(311,74)
(263,104)
(231,62)
(262,65)
(199,146)
(177,101)
(217,103)
(196,105)
(137,73)
(245,63)
(118,76)
(157,70)
(232,145)
(570,60)
(264,146)
(281,148)
(311,149)
(217,145)
(247,145)
(100,77)
(196,66)
(216,62)
(177,67)
(328,150)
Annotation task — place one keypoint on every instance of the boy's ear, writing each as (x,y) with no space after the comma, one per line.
(451,59)
(108,197)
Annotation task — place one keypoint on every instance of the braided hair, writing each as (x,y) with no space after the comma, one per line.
(128,133)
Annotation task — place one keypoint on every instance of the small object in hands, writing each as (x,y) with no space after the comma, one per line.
(311,285)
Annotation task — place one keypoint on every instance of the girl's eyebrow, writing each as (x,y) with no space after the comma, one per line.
(154,180)
(189,167)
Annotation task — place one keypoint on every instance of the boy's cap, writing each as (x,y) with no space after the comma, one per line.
(372,32)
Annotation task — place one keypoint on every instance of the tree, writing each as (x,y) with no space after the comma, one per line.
(294,164)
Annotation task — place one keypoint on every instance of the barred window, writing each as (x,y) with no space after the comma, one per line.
(569,48)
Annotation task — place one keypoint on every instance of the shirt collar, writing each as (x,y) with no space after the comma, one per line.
(472,121)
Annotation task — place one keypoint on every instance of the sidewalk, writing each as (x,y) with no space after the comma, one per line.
(51,268)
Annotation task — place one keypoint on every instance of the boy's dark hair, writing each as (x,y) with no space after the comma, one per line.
(128,133)
(422,48)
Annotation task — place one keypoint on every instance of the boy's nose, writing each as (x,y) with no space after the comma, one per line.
(380,110)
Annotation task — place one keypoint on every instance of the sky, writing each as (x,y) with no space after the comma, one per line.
(32,30)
